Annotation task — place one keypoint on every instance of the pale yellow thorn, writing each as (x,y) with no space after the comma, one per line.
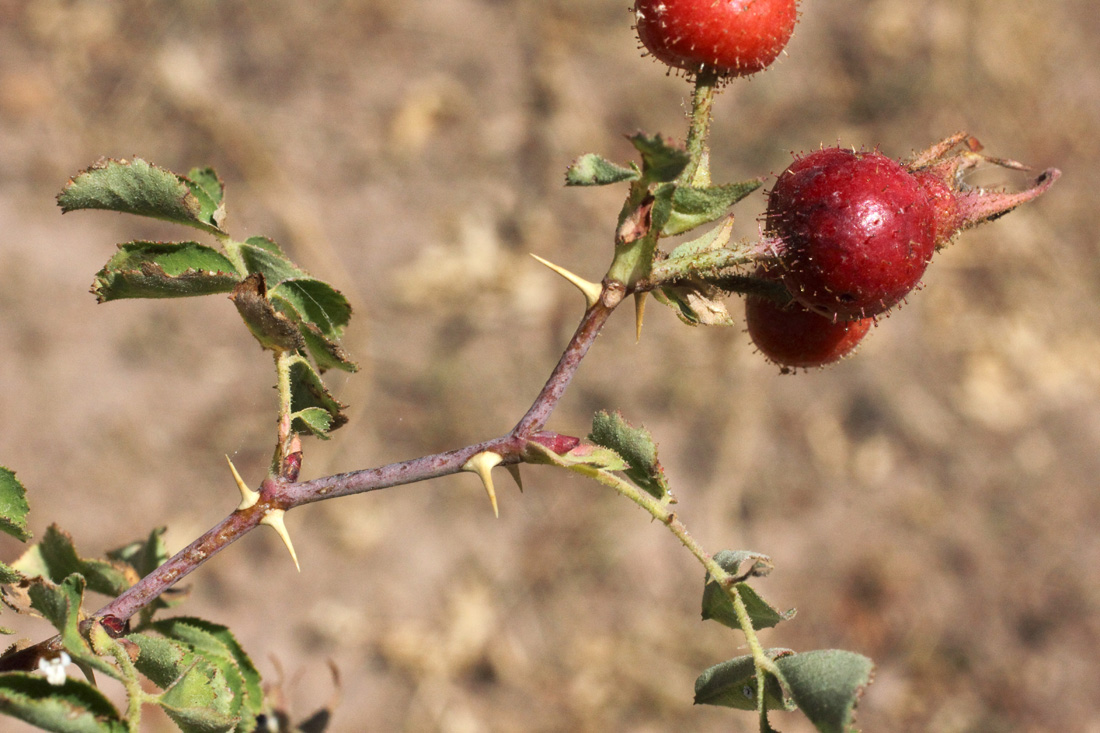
(274,519)
(482,464)
(513,469)
(249,497)
(591,291)
(639,314)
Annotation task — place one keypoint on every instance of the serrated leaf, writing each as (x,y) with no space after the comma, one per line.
(328,353)
(692,207)
(713,239)
(307,390)
(199,701)
(264,256)
(717,606)
(312,420)
(58,603)
(733,684)
(164,270)
(316,302)
(8,574)
(208,180)
(826,685)
(74,707)
(744,564)
(584,454)
(696,303)
(13,506)
(662,158)
(636,447)
(215,639)
(55,558)
(593,170)
(161,660)
(273,329)
(138,187)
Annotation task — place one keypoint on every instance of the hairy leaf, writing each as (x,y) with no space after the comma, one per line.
(326,352)
(74,707)
(307,390)
(55,558)
(717,606)
(273,329)
(826,685)
(593,170)
(696,303)
(141,188)
(584,454)
(264,256)
(662,158)
(637,448)
(733,684)
(210,640)
(713,239)
(692,207)
(316,302)
(164,270)
(13,506)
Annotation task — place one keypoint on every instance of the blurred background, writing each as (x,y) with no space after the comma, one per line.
(931,503)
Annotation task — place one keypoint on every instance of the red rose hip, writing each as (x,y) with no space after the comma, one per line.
(794,337)
(727,37)
(856,232)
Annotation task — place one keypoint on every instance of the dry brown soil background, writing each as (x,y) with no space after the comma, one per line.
(931,503)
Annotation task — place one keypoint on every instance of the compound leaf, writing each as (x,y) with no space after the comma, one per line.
(139,187)
(263,255)
(164,270)
(13,506)
(826,685)
(307,390)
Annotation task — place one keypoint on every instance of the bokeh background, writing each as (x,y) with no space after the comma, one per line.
(932,503)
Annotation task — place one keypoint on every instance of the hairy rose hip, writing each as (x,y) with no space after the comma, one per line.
(727,37)
(792,336)
(856,231)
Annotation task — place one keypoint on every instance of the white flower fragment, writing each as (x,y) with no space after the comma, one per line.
(54,669)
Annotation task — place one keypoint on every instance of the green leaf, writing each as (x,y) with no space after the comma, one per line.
(55,558)
(315,420)
(585,454)
(9,574)
(197,695)
(144,556)
(717,606)
(262,255)
(13,506)
(662,158)
(207,179)
(826,685)
(212,639)
(328,353)
(593,170)
(736,563)
(273,329)
(74,707)
(138,187)
(59,603)
(733,684)
(317,302)
(692,207)
(200,700)
(637,448)
(164,270)
(712,239)
(306,391)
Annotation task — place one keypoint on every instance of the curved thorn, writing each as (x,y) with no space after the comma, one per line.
(591,291)
(482,464)
(639,314)
(249,497)
(513,470)
(274,519)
